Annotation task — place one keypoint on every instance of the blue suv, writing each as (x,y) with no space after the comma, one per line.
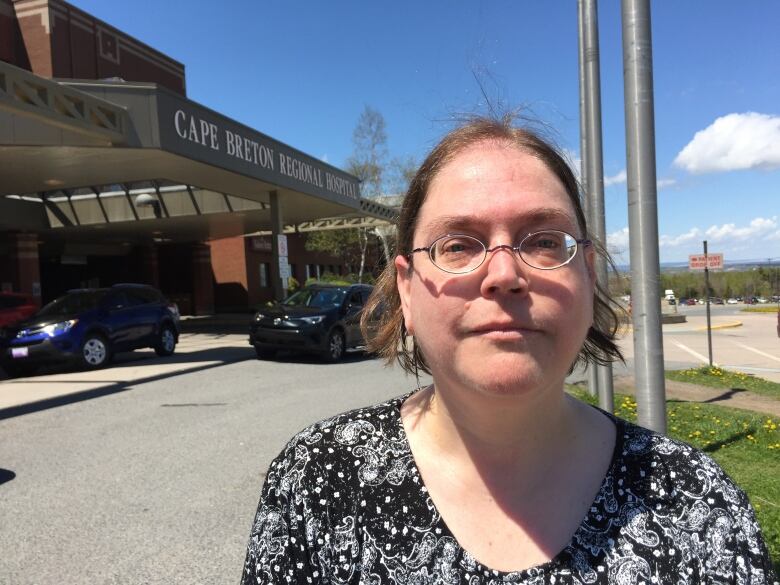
(89,325)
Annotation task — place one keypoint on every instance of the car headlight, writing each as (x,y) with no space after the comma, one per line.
(58,328)
(259,316)
(313,320)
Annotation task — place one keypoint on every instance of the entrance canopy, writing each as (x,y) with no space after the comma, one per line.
(140,162)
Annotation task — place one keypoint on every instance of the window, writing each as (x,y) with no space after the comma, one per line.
(264,270)
(355,299)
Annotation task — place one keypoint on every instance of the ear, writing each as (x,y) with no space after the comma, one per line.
(403,281)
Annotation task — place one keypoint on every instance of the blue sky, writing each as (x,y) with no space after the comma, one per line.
(302,72)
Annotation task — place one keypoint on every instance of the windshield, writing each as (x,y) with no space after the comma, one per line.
(71,303)
(316,297)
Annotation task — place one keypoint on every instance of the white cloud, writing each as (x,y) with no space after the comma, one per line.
(692,235)
(759,227)
(616,179)
(747,241)
(734,142)
(617,242)
(664,183)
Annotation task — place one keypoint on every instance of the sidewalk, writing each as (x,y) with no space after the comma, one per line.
(732,398)
(48,389)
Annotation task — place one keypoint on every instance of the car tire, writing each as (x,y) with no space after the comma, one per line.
(264,354)
(95,351)
(166,343)
(336,347)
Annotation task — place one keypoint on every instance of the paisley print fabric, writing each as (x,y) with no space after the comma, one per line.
(345,504)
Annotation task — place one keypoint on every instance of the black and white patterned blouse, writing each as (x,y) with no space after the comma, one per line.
(344,503)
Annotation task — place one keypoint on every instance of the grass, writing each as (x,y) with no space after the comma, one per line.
(746,445)
(760,309)
(716,377)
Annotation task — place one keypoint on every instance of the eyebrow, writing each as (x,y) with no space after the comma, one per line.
(447,223)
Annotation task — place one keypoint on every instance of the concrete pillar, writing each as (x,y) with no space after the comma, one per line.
(202,280)
(150,267)
(23,252)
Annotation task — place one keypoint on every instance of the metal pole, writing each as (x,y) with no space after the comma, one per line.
(593,383)
(595,173)
(707,300)
(277,227)
(643,214)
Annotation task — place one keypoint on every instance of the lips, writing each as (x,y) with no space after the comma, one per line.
(502,328)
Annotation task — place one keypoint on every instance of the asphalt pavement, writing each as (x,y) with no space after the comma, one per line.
(149,471)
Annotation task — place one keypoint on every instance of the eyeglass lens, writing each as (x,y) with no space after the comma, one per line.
(545,250)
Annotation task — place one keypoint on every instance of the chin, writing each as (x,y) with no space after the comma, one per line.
(506,375)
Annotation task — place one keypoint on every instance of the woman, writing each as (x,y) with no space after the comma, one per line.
(493,474)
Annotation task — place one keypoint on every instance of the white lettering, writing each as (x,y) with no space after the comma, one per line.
(178,119)
(193,135)
(230,141)
(213,133)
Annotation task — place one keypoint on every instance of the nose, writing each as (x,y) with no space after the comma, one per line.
(504,272)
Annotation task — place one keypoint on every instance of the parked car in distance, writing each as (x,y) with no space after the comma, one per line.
(89,326)
(321,318)
(15,307)
(716,301)
(731,301)
(691,301)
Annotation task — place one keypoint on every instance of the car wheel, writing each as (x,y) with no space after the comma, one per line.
(336,346)
(95,351)
(166,344)
(264,354)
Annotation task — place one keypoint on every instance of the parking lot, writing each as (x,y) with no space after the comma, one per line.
(741,341)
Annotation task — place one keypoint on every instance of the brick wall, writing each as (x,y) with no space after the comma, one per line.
(59,40)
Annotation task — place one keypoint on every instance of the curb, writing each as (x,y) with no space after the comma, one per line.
(723,326)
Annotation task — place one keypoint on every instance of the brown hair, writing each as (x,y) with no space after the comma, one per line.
(390,338)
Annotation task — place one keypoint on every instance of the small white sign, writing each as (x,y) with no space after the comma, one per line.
(281,243)
(284,270)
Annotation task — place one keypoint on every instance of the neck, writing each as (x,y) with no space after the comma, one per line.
(522,430)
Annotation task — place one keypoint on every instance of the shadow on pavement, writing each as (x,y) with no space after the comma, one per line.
(726,395)
(6,475)
(219,357)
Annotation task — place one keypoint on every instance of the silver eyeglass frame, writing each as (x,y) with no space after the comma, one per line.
(516,249)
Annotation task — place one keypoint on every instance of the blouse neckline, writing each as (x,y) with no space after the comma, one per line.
(557,561)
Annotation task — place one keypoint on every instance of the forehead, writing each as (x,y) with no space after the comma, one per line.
(490,184)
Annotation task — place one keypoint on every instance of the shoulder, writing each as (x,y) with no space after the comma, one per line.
(672,462)
(680,485)
(672,469)
(328,448)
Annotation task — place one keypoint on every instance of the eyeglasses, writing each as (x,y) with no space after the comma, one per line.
(545,250)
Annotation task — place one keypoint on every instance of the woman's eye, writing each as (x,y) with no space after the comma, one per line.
(547,243)
(457,247)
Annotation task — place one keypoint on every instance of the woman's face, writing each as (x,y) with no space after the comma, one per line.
(505,327)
